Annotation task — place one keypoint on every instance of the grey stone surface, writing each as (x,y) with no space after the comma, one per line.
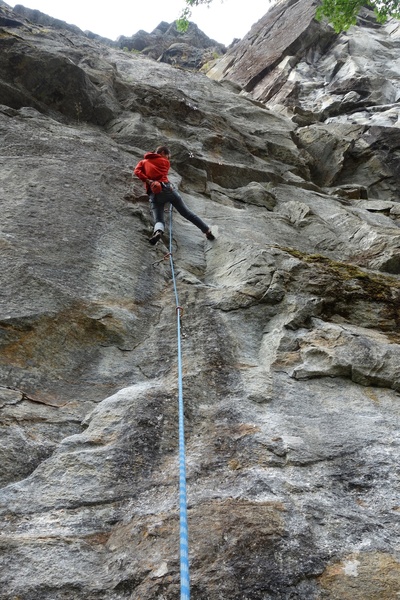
(290,338)
(191,49)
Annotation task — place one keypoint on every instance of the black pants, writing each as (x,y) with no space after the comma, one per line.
(158,202)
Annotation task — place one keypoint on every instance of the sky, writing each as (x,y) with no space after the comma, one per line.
(222,21)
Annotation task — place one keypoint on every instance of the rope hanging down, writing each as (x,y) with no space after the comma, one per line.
(184,540)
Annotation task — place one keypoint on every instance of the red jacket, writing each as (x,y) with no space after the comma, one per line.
(153,166)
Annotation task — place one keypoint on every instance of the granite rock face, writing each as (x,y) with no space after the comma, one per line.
(190,50)
(342,90)
(40,18)
(290,338)
(290,60)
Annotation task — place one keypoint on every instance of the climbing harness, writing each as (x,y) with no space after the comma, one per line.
(184,541)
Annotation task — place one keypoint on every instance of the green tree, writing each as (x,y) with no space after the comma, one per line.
(182,22)
(343,13)
(340,13)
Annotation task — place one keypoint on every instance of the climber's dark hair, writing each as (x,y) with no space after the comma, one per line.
(163,149)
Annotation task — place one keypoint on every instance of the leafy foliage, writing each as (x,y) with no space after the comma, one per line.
(343,13)
(182,22)
(340,13)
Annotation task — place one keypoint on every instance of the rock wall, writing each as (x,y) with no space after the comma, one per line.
(290,329)
(189,50)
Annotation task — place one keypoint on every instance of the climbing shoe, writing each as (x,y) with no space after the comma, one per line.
(155,237)
(210,235)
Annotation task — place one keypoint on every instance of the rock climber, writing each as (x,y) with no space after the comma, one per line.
(153,171)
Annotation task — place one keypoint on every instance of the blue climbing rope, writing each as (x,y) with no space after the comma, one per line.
(184,538)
